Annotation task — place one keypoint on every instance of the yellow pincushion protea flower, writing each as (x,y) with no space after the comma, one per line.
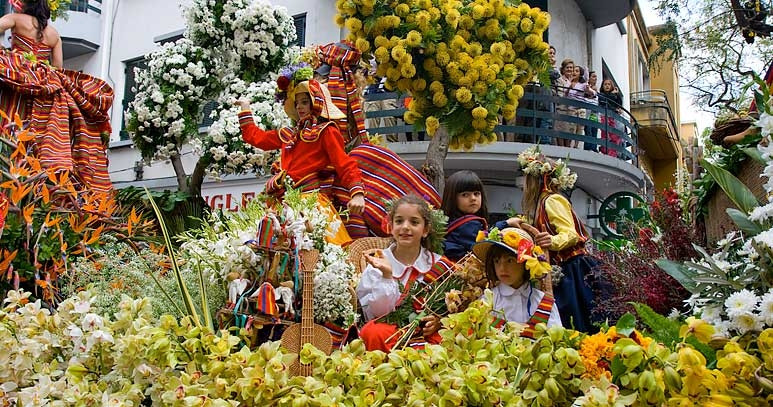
(472,53)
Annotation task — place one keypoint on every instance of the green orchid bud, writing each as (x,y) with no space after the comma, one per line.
(551,385)
(647,381)
(403,374)
(673,379)
(455,397)
(543,398)
(544,362)
(384,372)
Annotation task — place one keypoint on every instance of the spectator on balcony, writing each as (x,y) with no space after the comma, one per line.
(562,85)
(610,100)
(554,75)
(591,95)
(578,90)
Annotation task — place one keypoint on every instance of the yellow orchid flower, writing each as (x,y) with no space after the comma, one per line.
(699,328)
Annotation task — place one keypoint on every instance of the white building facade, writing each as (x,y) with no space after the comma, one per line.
(110,39)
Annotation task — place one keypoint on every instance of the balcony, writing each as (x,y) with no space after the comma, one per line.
(82,31)
(600,175)
(603,13)
(658,132)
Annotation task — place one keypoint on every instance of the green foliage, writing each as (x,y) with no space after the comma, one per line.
(116,270)
(666,331)
(180,210)
(738,193)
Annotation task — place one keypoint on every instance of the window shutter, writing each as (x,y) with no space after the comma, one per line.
(300,29)
(206,121)
(128,93)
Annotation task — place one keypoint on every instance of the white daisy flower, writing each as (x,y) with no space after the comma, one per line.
(741,302)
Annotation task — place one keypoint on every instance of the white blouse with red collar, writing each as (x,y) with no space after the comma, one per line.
(377,295)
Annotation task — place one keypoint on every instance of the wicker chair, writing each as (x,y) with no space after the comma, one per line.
(358,248)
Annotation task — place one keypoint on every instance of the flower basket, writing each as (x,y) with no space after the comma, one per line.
(729,128)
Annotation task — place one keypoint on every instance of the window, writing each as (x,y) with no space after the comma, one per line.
(79,5)
(300,30)
(128,92)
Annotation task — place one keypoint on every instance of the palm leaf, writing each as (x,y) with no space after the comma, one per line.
(186,296)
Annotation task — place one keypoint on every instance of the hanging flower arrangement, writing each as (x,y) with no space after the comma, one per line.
(464,62)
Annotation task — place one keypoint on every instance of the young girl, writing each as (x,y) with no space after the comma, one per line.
(309,148)
(610,100)
(391,272)
(512,261)
(553,213)
(464,202)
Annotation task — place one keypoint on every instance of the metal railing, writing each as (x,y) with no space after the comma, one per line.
(656,99)
(539,112)
(83,6)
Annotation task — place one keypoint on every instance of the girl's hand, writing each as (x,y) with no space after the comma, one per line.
(541,239)
(377,260)
(514,222)
(431,325)
(243,104)
(357,204)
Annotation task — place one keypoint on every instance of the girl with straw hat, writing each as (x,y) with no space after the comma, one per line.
(309,149)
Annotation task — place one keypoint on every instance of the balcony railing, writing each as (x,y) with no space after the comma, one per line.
(655,98)
(535,122)
(658,131)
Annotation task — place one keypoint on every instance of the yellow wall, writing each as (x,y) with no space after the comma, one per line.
(644,77)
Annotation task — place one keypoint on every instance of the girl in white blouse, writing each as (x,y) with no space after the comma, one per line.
(515,297)
(391,272)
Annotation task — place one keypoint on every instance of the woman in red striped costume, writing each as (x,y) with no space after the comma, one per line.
(66,110)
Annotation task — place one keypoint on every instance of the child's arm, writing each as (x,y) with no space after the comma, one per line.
(346,167)
(559,212)
(377,294)
(252,134)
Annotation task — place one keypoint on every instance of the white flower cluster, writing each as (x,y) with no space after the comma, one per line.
(745,303)
(261,32)
(219,249)
(742,312)
(203,25)
(533,162)
(332,293)
(252,33)
(228,153)
(169,93)
(43,353)
(224,41)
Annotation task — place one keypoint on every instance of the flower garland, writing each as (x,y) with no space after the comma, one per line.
(533,162)
(464,62)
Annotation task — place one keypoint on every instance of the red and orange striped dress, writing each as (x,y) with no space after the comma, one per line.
(67,110)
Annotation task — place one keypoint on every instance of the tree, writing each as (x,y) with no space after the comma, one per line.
(463,62)
(228,45)
(709,40)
